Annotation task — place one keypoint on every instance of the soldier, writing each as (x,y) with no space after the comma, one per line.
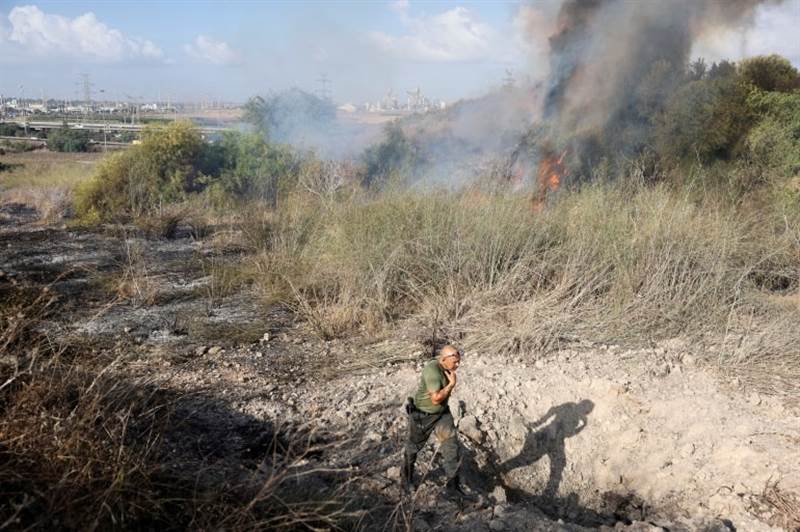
(428,413)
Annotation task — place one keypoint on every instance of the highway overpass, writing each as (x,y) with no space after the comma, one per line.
(37,125)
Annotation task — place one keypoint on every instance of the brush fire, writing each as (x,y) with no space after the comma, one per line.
(549,176)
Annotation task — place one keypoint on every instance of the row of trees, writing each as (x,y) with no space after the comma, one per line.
(63,139)
(747,114)
(726,111)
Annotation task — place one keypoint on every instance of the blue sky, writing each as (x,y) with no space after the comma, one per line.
(231,50)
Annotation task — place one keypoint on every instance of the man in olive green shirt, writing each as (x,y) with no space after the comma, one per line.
(428,413)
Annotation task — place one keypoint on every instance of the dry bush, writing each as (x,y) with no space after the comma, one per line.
(194,217)
(135,283)
(326,180)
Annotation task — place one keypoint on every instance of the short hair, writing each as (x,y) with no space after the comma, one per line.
(441,351)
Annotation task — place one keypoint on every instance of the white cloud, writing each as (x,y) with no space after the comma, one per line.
(399,5)
(216,52)
(453,35)
(774,31)
(34,33)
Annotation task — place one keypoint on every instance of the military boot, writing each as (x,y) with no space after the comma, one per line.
(407,474)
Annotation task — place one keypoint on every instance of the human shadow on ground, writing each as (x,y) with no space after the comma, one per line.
(546,437)
(559,423)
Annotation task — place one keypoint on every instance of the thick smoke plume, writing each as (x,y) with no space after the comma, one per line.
(607,56)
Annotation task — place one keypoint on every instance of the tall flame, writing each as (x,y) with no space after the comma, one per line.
(549,176)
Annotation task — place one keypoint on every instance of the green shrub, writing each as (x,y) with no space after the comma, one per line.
(290,114)
(254,169)
(391,160)
(8,130)
(770,73)
(170,163)
(68,140)
(18,146)
(704,120)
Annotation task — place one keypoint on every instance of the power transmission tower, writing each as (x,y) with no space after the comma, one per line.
(324,91)
(85,89)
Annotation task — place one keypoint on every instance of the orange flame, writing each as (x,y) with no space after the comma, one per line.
(549,176)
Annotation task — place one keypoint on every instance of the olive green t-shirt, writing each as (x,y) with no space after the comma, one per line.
(433,379)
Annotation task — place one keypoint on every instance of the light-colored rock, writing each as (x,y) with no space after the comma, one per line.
(393,473)
(468,425)
(215,350)
(499,495)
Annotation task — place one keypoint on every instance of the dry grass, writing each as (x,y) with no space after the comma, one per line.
(194,216)
(43,169)
(52,203)
(135,282)
(45,180)
(623,264)
(777,507)
(83,448)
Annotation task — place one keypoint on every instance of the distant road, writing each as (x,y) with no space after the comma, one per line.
(100,126)
(43,142)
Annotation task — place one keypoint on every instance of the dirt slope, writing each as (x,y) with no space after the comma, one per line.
(592,437)
(632,432)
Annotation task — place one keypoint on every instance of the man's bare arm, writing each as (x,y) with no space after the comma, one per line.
(440,396)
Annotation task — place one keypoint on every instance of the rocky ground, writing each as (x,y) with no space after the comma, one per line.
(588,437)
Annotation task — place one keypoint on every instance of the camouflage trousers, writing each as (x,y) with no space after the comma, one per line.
(420,428)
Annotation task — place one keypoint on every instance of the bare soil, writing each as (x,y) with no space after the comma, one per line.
(585,438)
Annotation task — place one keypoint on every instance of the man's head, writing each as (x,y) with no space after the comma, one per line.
(449,357)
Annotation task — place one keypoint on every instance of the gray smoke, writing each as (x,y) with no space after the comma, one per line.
(603,50)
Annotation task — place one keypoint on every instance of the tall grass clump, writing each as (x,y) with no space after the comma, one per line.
(621,263)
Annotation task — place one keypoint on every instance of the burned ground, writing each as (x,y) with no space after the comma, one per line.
(585,437)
